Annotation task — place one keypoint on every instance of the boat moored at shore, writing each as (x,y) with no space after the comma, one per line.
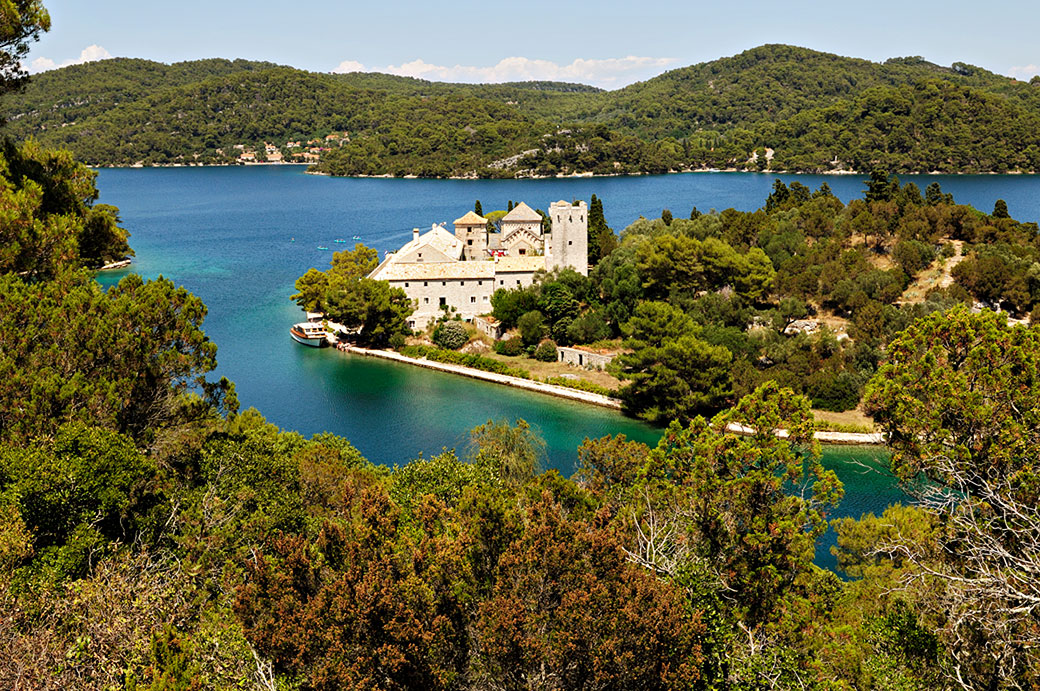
(309,334)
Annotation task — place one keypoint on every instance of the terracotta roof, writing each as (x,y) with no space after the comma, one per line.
(438,272)
(470,219)
(531,262)
(522,212)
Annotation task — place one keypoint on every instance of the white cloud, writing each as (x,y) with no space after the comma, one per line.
(349,66)
(88,54)
(608,73)
(1024,72)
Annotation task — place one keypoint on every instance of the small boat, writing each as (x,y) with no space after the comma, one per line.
(357,237)
(322,247)
(309,334)
(339,242)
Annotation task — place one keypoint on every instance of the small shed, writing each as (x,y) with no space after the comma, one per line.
(582,357)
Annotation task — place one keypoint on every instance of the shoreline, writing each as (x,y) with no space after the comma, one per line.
(493,377)
(825,437)
(559,176)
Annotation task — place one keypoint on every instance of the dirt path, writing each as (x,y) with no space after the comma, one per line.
(938,275)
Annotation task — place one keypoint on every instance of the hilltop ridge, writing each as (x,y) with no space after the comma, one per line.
(774,107)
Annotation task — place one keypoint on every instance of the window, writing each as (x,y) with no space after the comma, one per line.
(444,301)
(426,283)
(411,323)
(518,281)
(462,283)
(570,242)
(444,283)
(523,251)
(406,284)
(426,301)
(501,282)
(480,283)
(470,241)
(472,298)
(485,298)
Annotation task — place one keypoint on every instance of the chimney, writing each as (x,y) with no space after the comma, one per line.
(415,234)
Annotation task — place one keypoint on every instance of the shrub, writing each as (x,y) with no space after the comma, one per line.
(451,335)
(511,346)
(397,341)
(546,351)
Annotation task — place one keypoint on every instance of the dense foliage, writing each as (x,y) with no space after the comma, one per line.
(806,291)
(774,107)
(152,537)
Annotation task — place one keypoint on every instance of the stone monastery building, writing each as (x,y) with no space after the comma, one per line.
(438,269)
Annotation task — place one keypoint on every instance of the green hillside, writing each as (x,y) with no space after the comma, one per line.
(774,107)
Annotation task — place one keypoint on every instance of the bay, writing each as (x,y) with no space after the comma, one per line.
(239,237)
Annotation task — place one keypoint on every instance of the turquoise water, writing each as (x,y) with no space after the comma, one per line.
(239,237)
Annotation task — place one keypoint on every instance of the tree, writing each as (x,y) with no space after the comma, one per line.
(601,241)
(673,373)
(313,290)
(375,308)
(21,22)
(78,494)
(666,216)
(959,402)
(478,209)
(1000,209)
(568,611)
(739,515)
(48,221)
(532,327)
(133,358)
(514,450)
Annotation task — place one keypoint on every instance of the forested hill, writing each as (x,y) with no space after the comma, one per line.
(774,107)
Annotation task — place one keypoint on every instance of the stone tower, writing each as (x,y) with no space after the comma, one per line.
(471,230)
(569,242)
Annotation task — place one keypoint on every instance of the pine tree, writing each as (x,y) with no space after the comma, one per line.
(477,209)
(1000,209)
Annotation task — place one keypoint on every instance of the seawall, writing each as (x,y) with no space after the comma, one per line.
(824,437)
(540,387)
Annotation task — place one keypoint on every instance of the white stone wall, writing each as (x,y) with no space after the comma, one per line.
(582,358)
(513,279)
(470,296)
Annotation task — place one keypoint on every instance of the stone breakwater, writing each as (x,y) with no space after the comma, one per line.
(540,387)
(844,438)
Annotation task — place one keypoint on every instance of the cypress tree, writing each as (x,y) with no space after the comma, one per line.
(477,209)
(600,235)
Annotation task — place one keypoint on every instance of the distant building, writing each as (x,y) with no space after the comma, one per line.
(441,270)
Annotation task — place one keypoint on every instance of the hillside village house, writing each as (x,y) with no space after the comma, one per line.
(439,270)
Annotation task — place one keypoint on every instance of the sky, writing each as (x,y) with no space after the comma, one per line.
(606,43)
